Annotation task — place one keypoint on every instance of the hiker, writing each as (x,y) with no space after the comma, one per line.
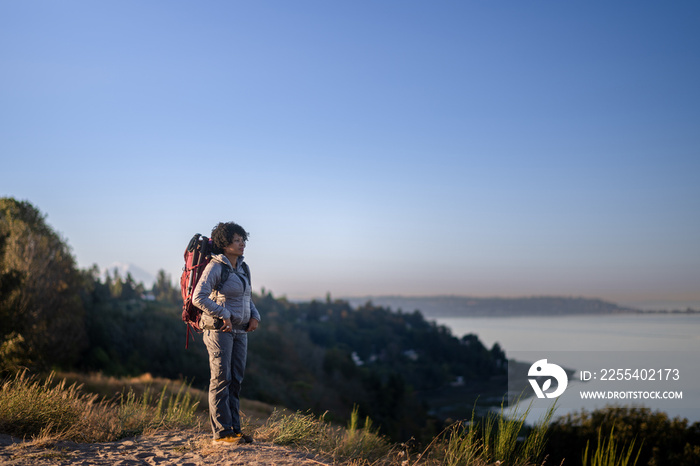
(227,317)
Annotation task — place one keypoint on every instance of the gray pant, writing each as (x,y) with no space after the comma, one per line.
(227,358)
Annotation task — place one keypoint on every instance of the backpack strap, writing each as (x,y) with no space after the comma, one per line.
(246,269)
(246,272)
(225,271)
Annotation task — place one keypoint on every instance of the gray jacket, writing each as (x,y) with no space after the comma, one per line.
(232,301)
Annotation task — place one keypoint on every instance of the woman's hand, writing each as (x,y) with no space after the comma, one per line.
(252,324)
(227,326)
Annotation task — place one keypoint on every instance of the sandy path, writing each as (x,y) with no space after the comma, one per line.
(182,447)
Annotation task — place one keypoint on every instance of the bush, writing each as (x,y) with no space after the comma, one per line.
(666,441)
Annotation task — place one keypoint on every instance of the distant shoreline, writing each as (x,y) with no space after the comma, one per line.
(542,306)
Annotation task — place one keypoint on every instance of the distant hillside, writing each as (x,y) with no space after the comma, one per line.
(464,306)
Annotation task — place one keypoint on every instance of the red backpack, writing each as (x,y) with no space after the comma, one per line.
(197,256)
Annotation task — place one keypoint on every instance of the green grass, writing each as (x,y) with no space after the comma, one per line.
(462,445)
(608,452)
(361,442)
(495,439)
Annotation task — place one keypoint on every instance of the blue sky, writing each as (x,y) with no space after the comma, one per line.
(385,147)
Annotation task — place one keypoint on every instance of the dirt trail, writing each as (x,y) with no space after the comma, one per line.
(182,447)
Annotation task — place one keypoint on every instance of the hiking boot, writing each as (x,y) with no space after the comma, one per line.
(246,438)
(230,440)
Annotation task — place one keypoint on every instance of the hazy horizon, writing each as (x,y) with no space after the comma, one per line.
(142,276)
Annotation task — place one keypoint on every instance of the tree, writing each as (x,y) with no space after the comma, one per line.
(116,286)
(41,320)
(660,439)
(164,291)
(130,286)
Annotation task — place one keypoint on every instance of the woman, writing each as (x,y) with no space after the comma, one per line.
(228,314)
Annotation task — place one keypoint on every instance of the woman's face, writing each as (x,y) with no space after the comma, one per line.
(236,247)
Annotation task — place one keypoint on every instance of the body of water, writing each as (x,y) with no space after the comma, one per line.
(597,344)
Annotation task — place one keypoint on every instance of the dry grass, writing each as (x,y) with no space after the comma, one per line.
(253,413)
(353,445)
(50,410)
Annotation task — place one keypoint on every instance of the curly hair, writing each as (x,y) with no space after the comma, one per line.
(222,235)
